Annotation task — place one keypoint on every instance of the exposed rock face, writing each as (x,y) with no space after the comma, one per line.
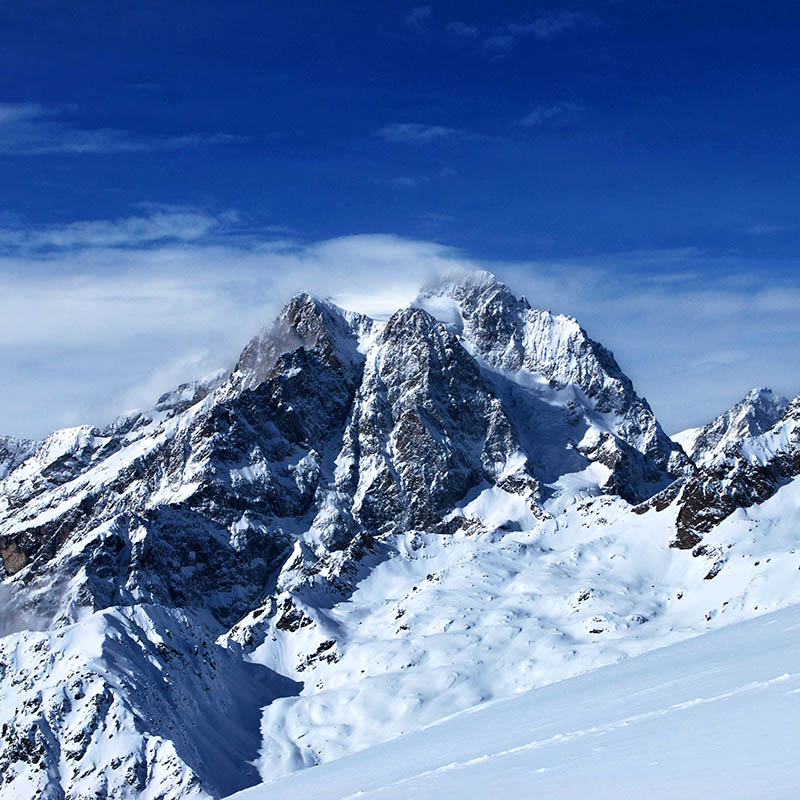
(737,471)
(506,334)
(242,505)
(753,415)
(424,429)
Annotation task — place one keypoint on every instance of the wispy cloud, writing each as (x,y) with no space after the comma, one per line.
(415,132)
(415,181)
(133,231)
(30,129)
(433,218)
(764,230)
(99,315)
(548,26)
(462,30)
(557,114)
(418,15)
(406,182)
(499,42)
(500,38)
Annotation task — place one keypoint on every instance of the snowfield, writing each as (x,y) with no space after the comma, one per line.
(715,716)
(444,623)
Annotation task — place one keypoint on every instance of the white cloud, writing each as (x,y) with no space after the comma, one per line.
(415,132)
(502,38)
(548,26)
(14,113)
(559,113)
(111,318)
(28,129)
(87,328)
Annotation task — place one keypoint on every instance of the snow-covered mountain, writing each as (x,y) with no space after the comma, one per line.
(13,452)
(363,527)
(744,472)
(753,415)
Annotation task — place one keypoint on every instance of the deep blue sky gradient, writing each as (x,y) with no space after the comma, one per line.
(681,128)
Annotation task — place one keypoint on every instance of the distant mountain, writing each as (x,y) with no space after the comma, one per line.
(364,526)
(736,472)
(753,415)
(13,452)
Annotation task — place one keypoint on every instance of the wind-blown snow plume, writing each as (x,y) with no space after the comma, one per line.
(13,616)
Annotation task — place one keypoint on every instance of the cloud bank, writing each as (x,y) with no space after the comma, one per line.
(100,316)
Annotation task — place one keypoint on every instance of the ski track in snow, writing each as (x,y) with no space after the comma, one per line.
(689,711)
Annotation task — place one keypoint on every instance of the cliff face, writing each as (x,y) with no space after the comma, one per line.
(753,415)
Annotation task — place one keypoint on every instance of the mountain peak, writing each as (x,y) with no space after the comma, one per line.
(305,321)
(452,296)
(763,395)
(506,335)
(792,409)
(476,279)
(753,415)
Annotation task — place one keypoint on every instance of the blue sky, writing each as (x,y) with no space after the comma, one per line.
(631,163)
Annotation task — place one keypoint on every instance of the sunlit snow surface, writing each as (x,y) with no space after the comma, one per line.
(445,623)
(715,716)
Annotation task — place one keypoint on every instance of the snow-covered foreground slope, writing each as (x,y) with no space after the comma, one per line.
(715,716)
(443,623)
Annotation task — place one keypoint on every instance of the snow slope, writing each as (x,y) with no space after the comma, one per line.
(440,624)
(715,716)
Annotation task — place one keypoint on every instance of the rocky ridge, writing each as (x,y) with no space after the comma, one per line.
(751,416)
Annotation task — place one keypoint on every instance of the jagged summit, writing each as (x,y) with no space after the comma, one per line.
(13,452)
(506,334)
(304,322)
(744,457)
(463,280)
(755,414)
